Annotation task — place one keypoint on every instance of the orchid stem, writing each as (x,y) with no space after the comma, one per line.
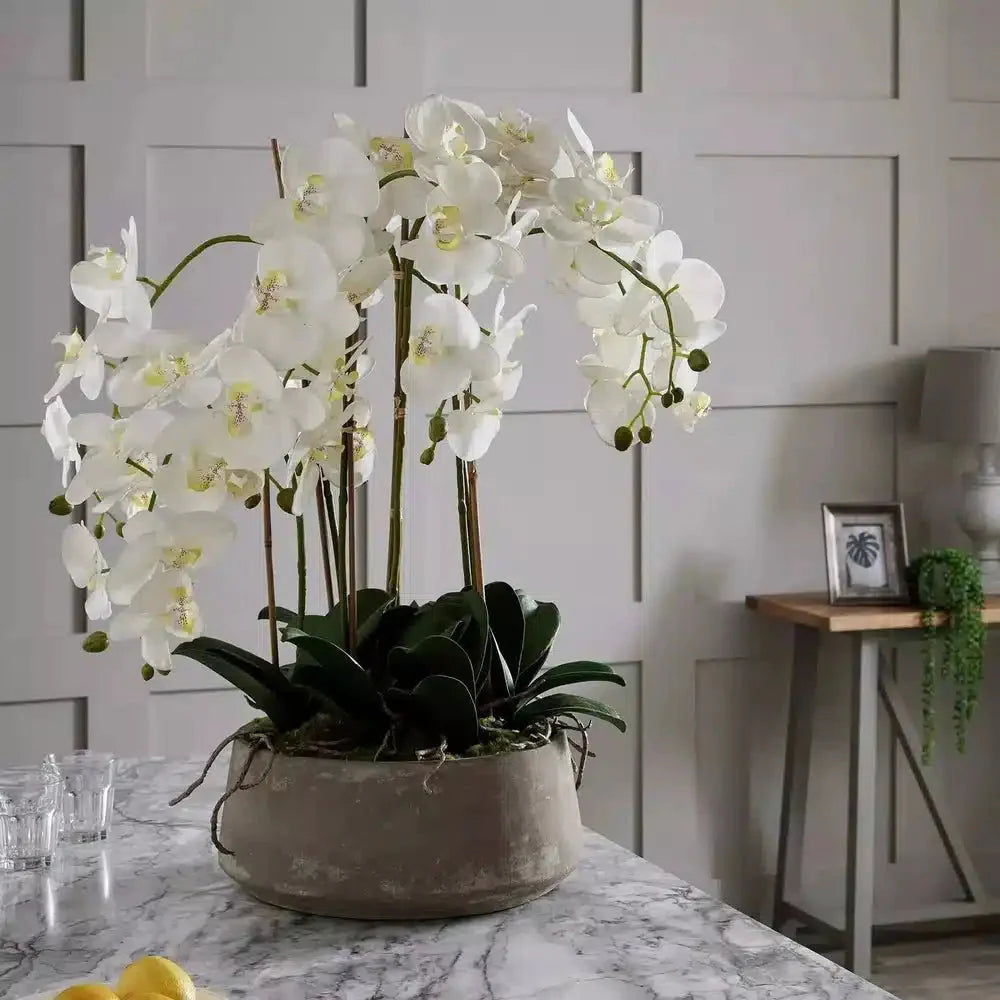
(272,620)
(463,520)
(300,549)
(335,541)
(475,541)
(403,286)
(196,252)
(324,541)
(265,492)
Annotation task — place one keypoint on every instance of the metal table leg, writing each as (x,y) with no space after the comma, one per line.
(795,784)
(861,805)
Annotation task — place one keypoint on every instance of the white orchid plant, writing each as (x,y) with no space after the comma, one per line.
(272,410)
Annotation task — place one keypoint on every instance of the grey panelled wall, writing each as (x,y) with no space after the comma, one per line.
(839,164)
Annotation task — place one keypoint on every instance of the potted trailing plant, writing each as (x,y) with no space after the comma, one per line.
(948,583)
(410,760)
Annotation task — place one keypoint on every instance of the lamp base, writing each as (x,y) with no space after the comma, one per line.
(979,518)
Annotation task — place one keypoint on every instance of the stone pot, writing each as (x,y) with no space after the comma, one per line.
(402,840)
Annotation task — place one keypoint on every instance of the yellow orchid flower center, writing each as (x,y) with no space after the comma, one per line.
(391,154)
(424,345)
(448,231)
(453,140)
(182,612)
(268,290)
(109,260)
(517,133)
(166,370)
(241,405)
(607,170)
(597,213)
(72,347)
(203,477)
(311,198)
(362,442)
(180,557)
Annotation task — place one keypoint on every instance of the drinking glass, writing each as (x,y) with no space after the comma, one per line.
(88,795)
(29,818)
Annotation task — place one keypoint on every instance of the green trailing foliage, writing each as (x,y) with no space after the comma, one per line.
(462,674)
(949,582)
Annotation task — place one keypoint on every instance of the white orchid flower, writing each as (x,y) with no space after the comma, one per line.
(684,377)
(294,278)
(106,282)
(461,209)
(162,367)
(362,282)
(195,479)
(55,430)
(583,269)
(471,430)
(164,608)
(616,357)
(611,405)
(445,129)
(447,350)
(589,209)
(256,419)
(522,140)
(111,444)
(329,189)
(510,264)
(86,566)
(81,360)
(320,450)
(404,196)
(167,540)
(692,409)
(697,299)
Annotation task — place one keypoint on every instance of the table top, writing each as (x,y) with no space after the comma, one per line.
(618,929)
(815,611)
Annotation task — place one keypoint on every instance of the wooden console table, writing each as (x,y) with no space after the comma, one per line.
(872,679)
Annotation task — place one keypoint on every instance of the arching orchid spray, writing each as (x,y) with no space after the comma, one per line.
(274,408)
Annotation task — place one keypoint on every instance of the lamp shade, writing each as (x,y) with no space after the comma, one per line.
(961,398)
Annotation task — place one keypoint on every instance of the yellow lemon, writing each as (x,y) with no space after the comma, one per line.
(88,991)
(156,975)
(147,996)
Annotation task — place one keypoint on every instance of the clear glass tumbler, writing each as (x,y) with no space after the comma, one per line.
(88,795)
(29,818)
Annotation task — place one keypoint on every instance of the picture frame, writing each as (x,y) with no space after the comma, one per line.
(866,554)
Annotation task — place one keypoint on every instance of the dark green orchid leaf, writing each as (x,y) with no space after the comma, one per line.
(554,705)
(281,614)
(501,680)
(574,672)
(437,654)
(506,621)
(268,691)
(344,680)
(447,710)
(541,622)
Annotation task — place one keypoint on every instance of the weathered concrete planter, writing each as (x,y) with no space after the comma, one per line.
(403,840)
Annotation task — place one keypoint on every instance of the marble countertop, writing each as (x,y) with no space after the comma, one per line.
(618,929)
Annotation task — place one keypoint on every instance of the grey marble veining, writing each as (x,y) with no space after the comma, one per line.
(619,929)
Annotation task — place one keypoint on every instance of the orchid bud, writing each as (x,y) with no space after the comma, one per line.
(147,672)
(120,529)
(427,456)
(96,642)
(645,434)
(437,429)
(697,360)
(667,399)
(623,438)
(99,529)
(678,394)
(286,495)
(60,506)
(252,501)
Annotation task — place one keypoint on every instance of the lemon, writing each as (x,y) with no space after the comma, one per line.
(155,975)
(147,996)
(88,991)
